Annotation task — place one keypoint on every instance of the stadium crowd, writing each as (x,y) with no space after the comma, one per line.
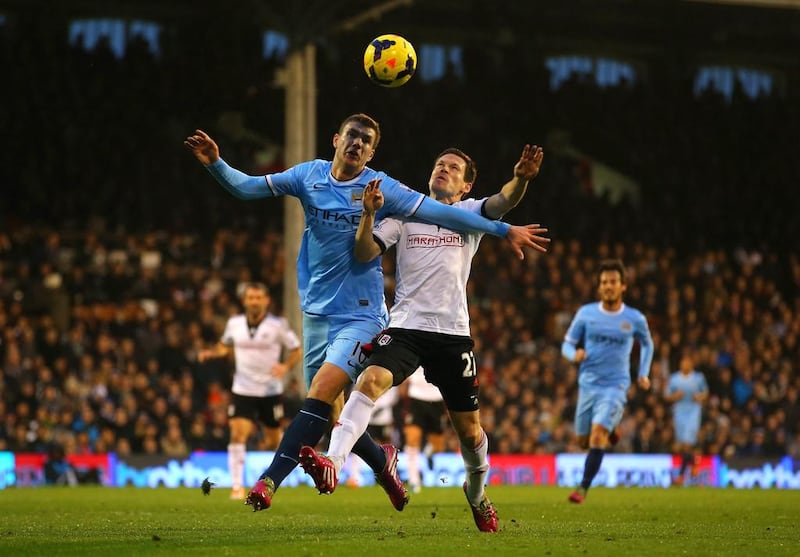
(120,258)
(100,338)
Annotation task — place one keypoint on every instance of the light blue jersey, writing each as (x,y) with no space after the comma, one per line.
(604,376)
(687,412)
(607,337)
(342,299)
(330,280)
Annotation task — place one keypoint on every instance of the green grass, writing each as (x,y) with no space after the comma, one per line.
(353,522)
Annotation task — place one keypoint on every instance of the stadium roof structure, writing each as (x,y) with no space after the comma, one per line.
(763,32)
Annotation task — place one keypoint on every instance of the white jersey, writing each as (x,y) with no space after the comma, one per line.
(256,350)
(383,412)
(433,266)
(420,389)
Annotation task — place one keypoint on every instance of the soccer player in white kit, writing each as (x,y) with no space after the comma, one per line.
(429,322)
(425,416)
(257,340)
(342,299)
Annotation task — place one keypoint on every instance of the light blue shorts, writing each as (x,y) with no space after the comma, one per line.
(337,340)
(602,406)
(687,427)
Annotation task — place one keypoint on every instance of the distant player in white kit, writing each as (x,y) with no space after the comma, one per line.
(429,321)
(257,339)
(425,417)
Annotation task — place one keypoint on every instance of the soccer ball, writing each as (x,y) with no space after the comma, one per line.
(390,60)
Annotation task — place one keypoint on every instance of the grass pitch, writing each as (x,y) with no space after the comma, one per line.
(533,521)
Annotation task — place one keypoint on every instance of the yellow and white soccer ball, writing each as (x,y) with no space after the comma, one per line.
(390,60)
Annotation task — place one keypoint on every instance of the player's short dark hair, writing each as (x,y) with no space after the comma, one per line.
(367,122)
(255,286)
(612,265)
(471,172)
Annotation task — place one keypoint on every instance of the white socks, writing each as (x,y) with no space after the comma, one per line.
(412,456)
(477,468)
(236,455)
(352,424)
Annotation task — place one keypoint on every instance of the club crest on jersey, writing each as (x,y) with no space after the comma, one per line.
(383,340)
(357,197)
(626,326)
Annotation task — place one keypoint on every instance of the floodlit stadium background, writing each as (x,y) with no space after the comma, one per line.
(669,131)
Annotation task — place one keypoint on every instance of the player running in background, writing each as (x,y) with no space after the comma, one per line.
(425,416)
(687,390)
(605,332)
(342,299)
(429,323)
(257,340)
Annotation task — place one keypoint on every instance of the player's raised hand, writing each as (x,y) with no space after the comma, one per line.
(372,200)
(527,168)
(202,147)
(529,235)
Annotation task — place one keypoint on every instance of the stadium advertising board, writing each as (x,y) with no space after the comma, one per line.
(623,470)
(757,473)
(155,471)
(7,476)
(705,470)
(29,468)
(520,469)
(444,470)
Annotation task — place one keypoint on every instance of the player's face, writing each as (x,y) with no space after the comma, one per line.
(255,302)
(447,178)
(354,149)
(686,365)
(611,288)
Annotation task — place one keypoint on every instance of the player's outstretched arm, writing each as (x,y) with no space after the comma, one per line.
(218,351)
(467,221)
(238,183)
(509,196)
(202,147)
(366,248)
(458,219)
(529,235)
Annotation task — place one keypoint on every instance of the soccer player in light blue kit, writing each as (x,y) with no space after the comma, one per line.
(687,390)
(606,332)
(342,300)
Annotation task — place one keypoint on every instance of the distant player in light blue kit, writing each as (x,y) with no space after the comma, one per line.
(342,299)
(605,332)
(687,389)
